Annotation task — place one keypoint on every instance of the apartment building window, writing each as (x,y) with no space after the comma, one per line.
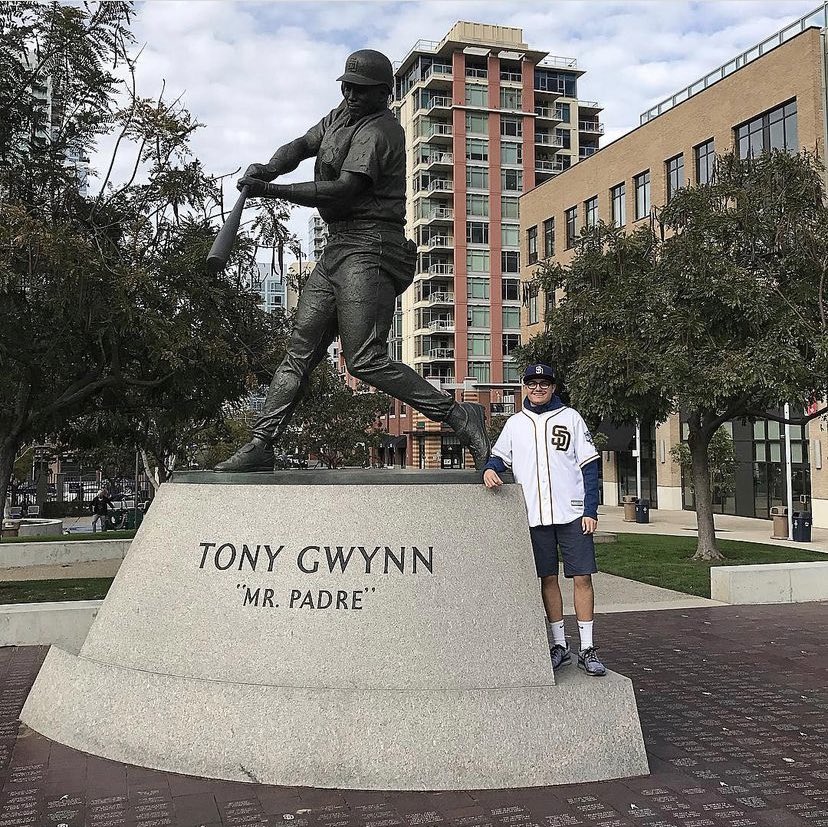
(510,342)
(563,137)
(510,261)
(511,99)
(477,95)
(533,307)
(510,290)
(511,180)
(511,373)
(563,112)
(477,232)
(511,127)
(675,175)
(479,344)
(642,194)
(511,153)
(618,202)
(591,211)
(478,316)
(775,129)
(477,288)
(532,244)
(477,204)
(705,161)
(477,149)
(549,238)
(481,371)
(509,208)
(511,318)
(477,178)
(510,235)
(477,261)
(477,123)
(571,218)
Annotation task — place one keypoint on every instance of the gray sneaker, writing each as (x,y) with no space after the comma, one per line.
(589,661)
(255,456)
(560,655)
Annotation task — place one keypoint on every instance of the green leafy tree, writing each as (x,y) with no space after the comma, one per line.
(721,461)
(106,307)
(716,309)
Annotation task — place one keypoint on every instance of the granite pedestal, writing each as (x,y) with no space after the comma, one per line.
(369,630)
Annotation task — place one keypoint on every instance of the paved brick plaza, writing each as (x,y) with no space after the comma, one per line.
(736,731)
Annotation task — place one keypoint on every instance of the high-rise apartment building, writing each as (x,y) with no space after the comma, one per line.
(317,236)
(486,118)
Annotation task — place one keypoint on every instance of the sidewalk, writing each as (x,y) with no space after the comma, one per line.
(683,524)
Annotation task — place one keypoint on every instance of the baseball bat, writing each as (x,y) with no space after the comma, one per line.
(220,251)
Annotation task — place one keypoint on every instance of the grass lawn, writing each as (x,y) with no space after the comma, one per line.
(47,591)
(665,561)
(68,538)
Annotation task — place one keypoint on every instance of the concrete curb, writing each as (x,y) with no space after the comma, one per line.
(17,555)
(41,624)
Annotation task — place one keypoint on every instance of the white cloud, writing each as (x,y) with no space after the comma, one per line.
(258,74)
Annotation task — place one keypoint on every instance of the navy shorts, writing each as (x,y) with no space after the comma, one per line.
(577,549)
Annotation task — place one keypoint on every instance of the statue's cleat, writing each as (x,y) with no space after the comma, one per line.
(255,456)
(468,421)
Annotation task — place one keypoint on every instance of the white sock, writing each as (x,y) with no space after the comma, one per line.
(585,632)
(558,635)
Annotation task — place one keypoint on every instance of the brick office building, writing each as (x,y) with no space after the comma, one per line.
(770,96)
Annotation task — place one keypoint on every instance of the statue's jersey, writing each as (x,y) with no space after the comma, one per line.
(373,146)
(546,453)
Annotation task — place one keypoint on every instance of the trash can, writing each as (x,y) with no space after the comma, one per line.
(642,511)
(629,507)
(802,526)
(779,515)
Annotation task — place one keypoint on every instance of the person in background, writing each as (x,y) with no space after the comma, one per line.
(101,504)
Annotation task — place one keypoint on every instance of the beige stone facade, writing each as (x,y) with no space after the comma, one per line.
(791,71)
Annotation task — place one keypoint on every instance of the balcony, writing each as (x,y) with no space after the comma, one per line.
(441,353)
(547,166)
(441,185)
(439,132)
(546,113)
(439,297)
(440,325)
(438,103)
(511,77)
(473,72)
(441,270)
(586,151)
(436,241)
(547,139)
(502,408)
(438,159)
(595,127)
(590,105)
(436,73)
(436,214)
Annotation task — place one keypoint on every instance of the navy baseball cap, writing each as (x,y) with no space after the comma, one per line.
(538,371)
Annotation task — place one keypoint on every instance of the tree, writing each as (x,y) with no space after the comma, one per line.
(716,309)
(106,306)
(334,422)
(721,461)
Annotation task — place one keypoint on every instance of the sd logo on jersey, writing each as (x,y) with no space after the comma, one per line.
(561,438)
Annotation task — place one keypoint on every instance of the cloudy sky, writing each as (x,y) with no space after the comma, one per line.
(258,74)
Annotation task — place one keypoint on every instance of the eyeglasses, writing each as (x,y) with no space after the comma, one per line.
(542,384)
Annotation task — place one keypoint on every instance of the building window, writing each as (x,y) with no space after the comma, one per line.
(511,127)
(532,244)
(510,342)
(477,149)
(477,123)
(510,261)
(549,238)
(562,112)
(591,211)
(642,194)
(510,235)
(477,178)
(618,201)
(571,218)
(479,344)
(477,261)
(533,307)
(477,232)
(511,180)
(775,129)
(511,99)
(477,95)
(509,208)
(477,205)
(477,288)
(705,162)
(481,371)
(563,138)
(511,153)
(511,318)
(510,290)
(478,316)
(675,175)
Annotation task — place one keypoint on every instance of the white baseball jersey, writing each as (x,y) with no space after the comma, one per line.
(546,453)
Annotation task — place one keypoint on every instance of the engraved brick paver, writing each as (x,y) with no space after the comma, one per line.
(733,703)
